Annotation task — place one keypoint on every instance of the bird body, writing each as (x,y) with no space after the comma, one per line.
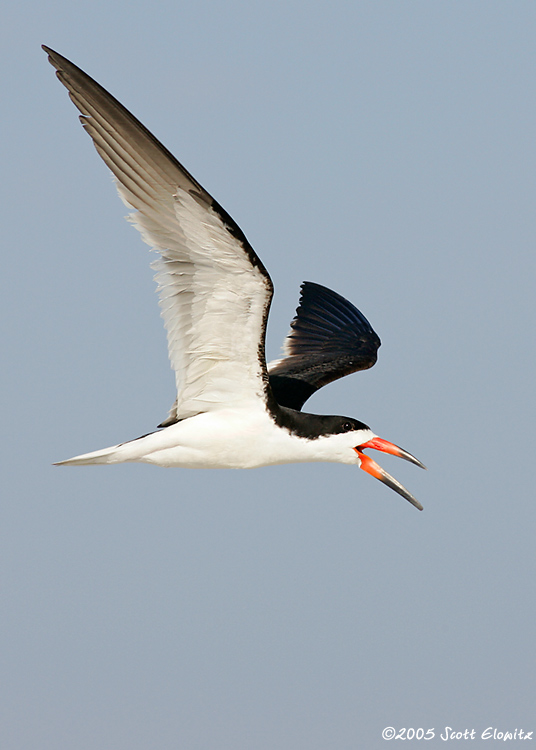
(232,409)
(237,438)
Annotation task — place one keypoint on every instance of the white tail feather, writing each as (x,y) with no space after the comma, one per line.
(104,456)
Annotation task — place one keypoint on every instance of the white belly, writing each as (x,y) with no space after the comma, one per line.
(225,439)
(220,439)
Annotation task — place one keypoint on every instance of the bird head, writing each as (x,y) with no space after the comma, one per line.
(352,434)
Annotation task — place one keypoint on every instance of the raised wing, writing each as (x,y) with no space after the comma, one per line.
(329,338)
(214,291)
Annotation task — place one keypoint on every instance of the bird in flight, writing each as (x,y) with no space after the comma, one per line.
(233,410)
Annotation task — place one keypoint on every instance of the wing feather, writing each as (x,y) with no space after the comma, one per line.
(214,291)
(329,338)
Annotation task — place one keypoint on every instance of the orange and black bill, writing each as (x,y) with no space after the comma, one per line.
(372,468)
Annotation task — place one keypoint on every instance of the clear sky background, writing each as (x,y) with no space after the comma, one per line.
(386,150)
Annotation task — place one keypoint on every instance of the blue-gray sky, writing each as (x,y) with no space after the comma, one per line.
(387,150)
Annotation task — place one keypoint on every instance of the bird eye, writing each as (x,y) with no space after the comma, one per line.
(347,426)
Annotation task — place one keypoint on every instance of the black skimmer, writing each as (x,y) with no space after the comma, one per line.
(232,409)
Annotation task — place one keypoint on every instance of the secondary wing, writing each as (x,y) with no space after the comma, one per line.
(329,338)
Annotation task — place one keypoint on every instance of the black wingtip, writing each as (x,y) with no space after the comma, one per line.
(328,315)
(50,52)
(329,324)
